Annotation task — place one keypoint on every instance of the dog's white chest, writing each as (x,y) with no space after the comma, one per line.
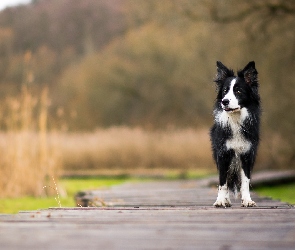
(235,120)
(238,143)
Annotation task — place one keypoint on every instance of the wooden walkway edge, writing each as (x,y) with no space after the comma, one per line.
(153,215)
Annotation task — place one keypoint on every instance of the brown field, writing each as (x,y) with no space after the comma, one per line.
(134,148)
(31,156)
(30,159)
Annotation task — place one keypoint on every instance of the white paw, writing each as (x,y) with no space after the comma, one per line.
(222,203)
(248,203)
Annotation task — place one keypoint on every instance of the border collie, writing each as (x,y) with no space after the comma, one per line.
(235,133)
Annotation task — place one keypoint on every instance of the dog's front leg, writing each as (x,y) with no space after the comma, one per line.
(245,193)
(223,161)
(223,197)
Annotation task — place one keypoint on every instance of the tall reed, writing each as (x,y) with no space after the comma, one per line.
(27,162)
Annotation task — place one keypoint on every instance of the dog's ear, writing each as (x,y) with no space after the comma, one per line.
(222,73)
(250,74)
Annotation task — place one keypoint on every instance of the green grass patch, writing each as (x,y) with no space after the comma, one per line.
(69,187)
(285,192)
(14,205)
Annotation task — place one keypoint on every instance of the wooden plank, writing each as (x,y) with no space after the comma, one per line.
(177,193)
(153,215)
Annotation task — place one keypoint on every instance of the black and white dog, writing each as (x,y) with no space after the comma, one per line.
(235,133)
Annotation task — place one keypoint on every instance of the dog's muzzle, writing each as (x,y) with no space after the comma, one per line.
(225,103)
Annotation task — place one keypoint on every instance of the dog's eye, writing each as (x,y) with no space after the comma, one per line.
(239,92)
(225,90)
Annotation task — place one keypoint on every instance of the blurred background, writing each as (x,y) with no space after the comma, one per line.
(126,86)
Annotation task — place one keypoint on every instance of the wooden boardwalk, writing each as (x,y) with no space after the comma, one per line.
(153,215)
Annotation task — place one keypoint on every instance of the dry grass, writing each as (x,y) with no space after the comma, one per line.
(27,161)
(134,148)
(31,155)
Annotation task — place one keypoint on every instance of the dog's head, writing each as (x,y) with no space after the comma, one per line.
(236,92)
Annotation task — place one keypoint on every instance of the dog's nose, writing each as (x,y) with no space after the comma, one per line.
(225,102)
